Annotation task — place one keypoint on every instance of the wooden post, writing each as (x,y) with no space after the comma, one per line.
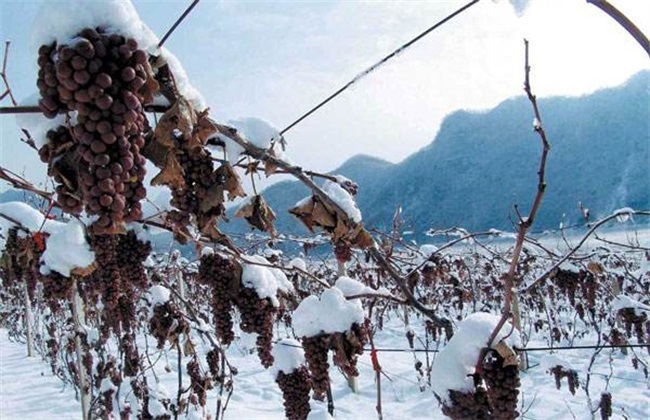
(79,321)
(28,321)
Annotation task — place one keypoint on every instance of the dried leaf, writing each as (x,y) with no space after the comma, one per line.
(188,347)
(258,214)
(213,199)
(157,151)
(232,182)
(150,87)
(84,271)
(171,175)
(204,128)
(509,356)
(269,167)
(179,118)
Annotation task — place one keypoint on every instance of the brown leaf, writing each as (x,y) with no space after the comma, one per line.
(508,354)
(181,117)
(252,167)
(361,238)
(213,199)
(232,182)
(269,167)
(157,151)
(208,227)
(84,271)
(171,175)
(150,87)
(204,128)
(258,214)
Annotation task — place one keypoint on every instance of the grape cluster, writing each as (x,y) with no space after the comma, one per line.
(605,405)
(633,323)
(131,253)
(559,372)
(343,252)
(213,360)
(199,383)
(257,316)
(503,386)
(468,405)
(100,76)
(295,388)
(106,281)
(199,180)
(218,272)
(167,324)
(316,349)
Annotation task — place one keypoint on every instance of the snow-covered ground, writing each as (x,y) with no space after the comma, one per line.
(29,391)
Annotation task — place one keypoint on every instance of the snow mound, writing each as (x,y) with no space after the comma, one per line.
(352,287)
(624,302)
(298,263)
(288,356)
(458,359)
(328,314)
(28,217)
(343,198)
(265,280)
(67,249)
(159,295)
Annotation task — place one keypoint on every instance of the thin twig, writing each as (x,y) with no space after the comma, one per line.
(4,76)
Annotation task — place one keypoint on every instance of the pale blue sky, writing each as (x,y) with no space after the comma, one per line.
(275,60)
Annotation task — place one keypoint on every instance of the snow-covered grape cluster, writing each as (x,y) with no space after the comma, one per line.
(199,383)
(100,76)
(295,388)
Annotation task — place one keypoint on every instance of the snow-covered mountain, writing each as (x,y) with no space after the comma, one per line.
(483,163)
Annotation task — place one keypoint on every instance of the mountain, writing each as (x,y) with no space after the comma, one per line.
(481,164)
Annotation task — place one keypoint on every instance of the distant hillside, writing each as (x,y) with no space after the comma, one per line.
(483,163)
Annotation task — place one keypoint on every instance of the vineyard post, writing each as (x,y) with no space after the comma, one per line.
(28,321)
(78,319)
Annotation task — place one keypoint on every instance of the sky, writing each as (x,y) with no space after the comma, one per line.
(276,59)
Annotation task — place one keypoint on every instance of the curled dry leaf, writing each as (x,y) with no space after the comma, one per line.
(313,212)
(179,118)
(258,214)
(172,173)
(509,356)
(231,181)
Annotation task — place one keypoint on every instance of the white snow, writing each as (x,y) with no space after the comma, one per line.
(28,217)
(288,355)
(265,280)
(428,249)
(623,214)
(549,361)
(623,302)
(343,199)
(298,263)
(67,249)
(328,314)
(254,130)
(458,359)
(352,287)
(159,295)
